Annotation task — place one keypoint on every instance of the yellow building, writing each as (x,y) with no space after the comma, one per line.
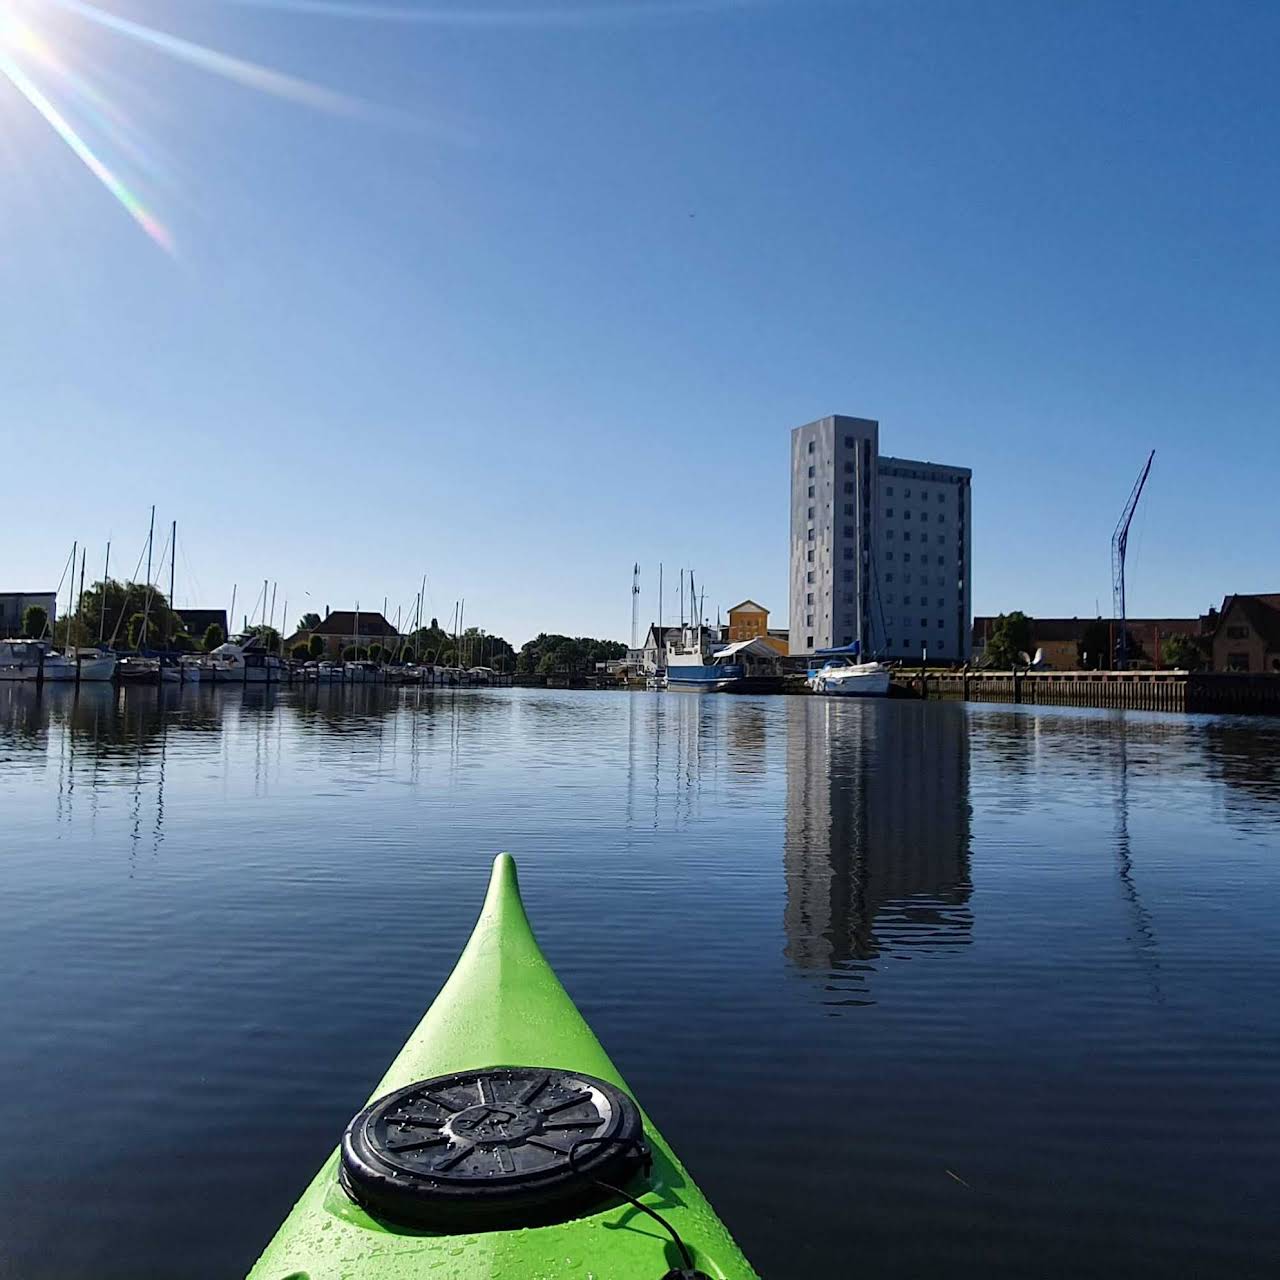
(750,621)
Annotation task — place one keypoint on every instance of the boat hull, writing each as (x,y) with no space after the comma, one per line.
(502,1006)
(875,685)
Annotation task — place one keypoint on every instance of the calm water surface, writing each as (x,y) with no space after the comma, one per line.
(914,989)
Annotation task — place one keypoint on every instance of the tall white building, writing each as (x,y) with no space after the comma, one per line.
(880,547)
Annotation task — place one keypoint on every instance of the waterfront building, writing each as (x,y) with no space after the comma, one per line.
(880,546)
(750,621)
(13,604)
(344,628)
(1247,635)
(1063,643)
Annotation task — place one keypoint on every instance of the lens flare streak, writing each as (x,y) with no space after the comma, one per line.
(84,153)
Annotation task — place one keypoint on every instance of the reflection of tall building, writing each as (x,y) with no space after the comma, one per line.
(876,853)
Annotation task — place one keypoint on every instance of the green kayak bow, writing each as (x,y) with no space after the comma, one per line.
(502,1142)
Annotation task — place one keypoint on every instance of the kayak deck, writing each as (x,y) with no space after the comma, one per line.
(504,1006)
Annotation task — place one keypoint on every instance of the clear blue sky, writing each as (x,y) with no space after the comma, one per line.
(519,301)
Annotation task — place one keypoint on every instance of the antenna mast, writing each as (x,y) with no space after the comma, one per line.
(1119,546)
(635,605)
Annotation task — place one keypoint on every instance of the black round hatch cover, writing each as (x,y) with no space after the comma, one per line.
(490,1148)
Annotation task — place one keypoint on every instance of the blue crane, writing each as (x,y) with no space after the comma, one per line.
(1119,545)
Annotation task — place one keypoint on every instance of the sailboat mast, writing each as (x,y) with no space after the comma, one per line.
(231,617)
(151,534)
(102,599)
(173,558)
(80,598)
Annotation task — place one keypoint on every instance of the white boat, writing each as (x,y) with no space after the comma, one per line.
(244,663)
(842,676)
(21,660)
(191,669)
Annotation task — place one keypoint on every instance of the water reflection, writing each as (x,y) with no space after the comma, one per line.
(876,850)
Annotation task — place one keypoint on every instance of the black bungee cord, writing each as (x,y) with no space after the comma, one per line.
(689,1271)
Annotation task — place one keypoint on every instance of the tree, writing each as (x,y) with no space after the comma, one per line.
(1011,637)
(308,622)
(183,643)
(300,652)
(408,656)
(375,653)
(269,637)
(107,607)
(1092,651)
(1182,652)
(136,624)
(315,647)
(213,637)
(34,620)
(354,653)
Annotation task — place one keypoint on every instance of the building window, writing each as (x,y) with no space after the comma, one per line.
(889,598)
(808,621)
(941,605)
(888,555)
(847,575)
(810,446)
(939,624)
(808,599)
(808,642)
(924,537)
(848,553)
(811,473)
(810,556)
(848,508)
(888,577)
(906,515)
(906,535)
(906,577)
(889,512)
(811,491)
(1237,662)
(848,487)
(810,535)
(942,560)
(808,577)
(1237,633)
(924,624)
(906,556)
(848,468)
(924,515)
(906,599)
(940,495)
(848,597)
(810,513)
(888,533)
(848,531)
(906,493)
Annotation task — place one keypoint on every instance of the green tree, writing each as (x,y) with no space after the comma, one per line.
(300,652)
(308,622)
(183,643)
(1182,652)
(354,653)
(1092,650)
(213,637)
(315,647)
(375,652)
(107,607)
(408,655)
(35,618)
(1011,637)
(269,637)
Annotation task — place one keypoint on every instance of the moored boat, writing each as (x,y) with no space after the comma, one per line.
(34,660)
(844,676)
(502,1142)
